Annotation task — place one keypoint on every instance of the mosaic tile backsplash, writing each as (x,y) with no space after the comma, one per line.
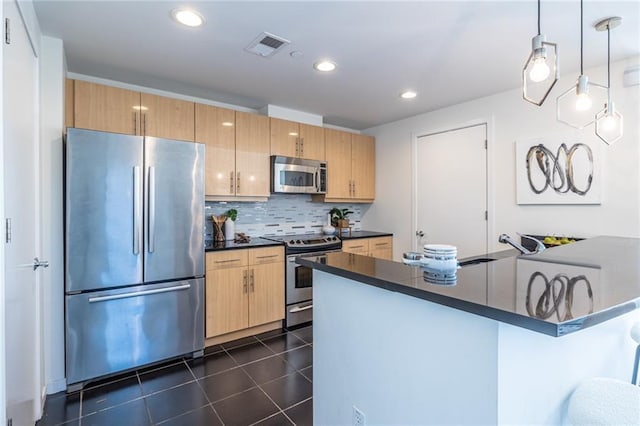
(283,214)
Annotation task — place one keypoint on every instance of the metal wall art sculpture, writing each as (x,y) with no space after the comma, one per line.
(558,170)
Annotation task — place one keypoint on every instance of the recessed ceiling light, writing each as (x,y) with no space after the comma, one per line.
(408,94)
(227,124)
(187,17)
(324,66)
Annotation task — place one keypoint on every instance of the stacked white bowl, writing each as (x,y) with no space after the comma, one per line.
(440,256)
(440,263)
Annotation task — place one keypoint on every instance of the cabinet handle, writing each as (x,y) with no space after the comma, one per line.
(227,261)
(354,188)
(237,182)
(301,147)
(267,257)
(381,244)
(231,182)
(152,209)
(355,247)
(138,293)
(297,147)
(253,282)
(135,123)
(137,210)
(244,280)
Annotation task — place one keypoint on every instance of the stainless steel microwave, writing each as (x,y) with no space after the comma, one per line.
(298,176)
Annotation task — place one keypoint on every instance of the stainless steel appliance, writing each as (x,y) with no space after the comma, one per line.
(299,279)
(298,176)
(134,252)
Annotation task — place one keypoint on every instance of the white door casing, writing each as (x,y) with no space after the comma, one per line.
(450,187)
(21,195)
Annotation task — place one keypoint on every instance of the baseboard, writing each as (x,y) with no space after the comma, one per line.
(56,386)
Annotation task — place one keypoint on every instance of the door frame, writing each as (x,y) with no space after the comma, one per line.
(488,122)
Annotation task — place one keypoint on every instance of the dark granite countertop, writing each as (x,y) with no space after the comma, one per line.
(230,245)
(559,291)
(364,234)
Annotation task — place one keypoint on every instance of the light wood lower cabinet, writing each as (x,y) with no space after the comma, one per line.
(378,247)
(381,247)
(244,289)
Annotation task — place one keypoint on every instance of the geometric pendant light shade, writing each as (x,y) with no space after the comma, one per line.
(576,106)
(609,123)
(541,71)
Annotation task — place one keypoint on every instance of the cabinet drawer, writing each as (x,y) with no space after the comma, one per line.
(227,259)
(266,255)
(116,330)
(380,243)
(360,246)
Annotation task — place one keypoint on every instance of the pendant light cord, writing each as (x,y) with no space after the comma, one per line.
(609,57)
(538,17)
(581,39)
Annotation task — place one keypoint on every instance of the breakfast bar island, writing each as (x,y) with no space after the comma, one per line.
(506,343)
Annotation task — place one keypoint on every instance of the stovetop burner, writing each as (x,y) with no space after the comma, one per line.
(307,242)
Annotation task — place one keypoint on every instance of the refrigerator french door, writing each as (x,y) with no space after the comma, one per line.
(134,251)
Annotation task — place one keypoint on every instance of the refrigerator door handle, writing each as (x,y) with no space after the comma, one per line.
(152,209)
(136,210)
(138,293)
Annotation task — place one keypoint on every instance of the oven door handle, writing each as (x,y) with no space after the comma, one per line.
(300,308)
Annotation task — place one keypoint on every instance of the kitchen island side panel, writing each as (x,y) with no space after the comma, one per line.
(404,360)
(398,359)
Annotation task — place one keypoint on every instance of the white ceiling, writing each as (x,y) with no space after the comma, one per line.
(447,51)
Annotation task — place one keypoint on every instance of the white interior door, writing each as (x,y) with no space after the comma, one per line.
(451,190)
(20,133)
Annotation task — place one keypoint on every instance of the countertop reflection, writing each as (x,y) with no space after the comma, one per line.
(557,292)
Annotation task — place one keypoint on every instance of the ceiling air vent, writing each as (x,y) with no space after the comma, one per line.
(266,44)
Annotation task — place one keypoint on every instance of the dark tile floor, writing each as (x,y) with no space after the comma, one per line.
(259,380)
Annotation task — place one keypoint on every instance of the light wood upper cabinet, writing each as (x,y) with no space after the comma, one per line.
(167,118)
(300,140)
(363,163)
(216,128)
(111,109)
(312,144)
(252,155)
(285,137)
(244,288)
(350,166)
(338,155)
(106,108)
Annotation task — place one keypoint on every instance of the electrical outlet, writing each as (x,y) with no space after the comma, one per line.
(358,417)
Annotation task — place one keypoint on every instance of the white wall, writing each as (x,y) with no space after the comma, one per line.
(510,118)
(52,75)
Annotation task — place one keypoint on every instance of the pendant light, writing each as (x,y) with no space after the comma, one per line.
(575,105)
(608,120)
(540,66)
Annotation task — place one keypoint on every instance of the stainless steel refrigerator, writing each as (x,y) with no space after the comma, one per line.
(134,252)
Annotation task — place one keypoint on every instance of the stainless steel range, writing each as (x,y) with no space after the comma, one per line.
(299,279)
